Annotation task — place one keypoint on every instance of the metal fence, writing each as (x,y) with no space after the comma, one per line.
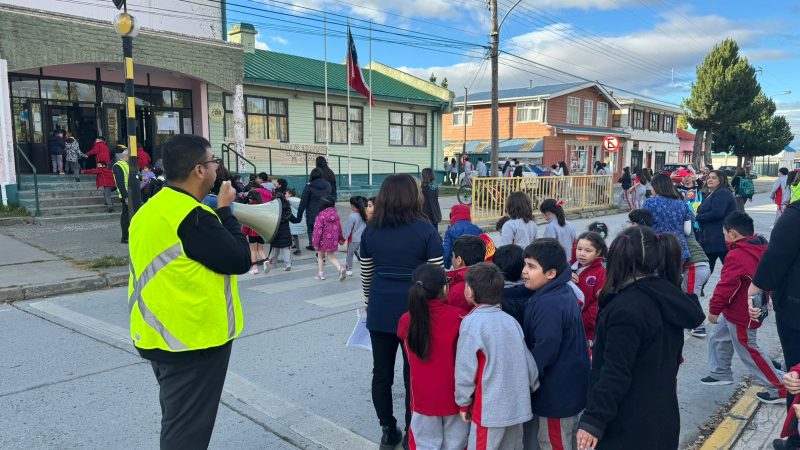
(578,192)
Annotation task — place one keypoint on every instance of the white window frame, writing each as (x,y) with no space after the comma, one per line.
(671,120)
(458,113)
(528,112)
(588,110)
(574,104)
(602,119)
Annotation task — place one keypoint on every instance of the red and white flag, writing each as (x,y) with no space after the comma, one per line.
(354,76)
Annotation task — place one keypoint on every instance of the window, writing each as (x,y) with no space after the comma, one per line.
(408,129)
(669,124)
(529,111)
(337,124)
(55,90)
(588,106)
(602,114)
(228,106)
(654,121)
(573,110)
(638,119)
(458,116)
(266,118)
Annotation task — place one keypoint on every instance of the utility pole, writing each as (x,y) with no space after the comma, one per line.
(464,148)
(495,117)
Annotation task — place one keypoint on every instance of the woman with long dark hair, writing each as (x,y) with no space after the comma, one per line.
(315,190)
(453,171)
(397,240)
(716,206)
(637,351)
(327,174)
(564,168)
(670,212)
(626,181)
(739,192)
(430,194)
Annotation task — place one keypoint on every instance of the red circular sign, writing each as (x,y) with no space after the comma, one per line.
(611,143)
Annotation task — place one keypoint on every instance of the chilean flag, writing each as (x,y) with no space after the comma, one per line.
(354,76)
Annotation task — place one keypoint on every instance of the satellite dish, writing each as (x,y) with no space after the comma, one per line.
(119,3)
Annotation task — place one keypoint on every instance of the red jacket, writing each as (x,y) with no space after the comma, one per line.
(590,281)
(455,296)
(790,424)
(100,152)
(730,294)
(433,381)
(105,177)
(143,159)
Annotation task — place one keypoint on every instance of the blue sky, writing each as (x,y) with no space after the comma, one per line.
(650,47)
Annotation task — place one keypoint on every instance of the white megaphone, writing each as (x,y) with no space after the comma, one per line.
(263,218)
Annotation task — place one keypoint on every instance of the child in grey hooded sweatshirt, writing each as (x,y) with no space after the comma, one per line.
(491,348)
(354,227)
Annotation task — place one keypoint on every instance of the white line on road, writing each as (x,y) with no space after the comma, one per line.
(340,299)
(309,425)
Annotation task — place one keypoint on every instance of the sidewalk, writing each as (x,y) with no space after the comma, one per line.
(762,429)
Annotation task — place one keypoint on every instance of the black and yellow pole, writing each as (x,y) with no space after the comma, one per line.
(127,27)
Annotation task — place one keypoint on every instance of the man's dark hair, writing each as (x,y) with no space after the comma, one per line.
(500,222)
(739,222)
(486,282)
(510,260)
(549,253)
(470,248)
(181,153)
(783,171)
(480,159)
(641,217)
(263,175)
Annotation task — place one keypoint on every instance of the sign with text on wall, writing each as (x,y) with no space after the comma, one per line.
(611,143)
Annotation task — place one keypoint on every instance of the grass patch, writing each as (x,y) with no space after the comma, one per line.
(107,261)
(13,211)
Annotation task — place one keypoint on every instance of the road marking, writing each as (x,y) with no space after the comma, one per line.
(340,299)
(300,420)
(283,286)
(309,425)
(98,326)
(734,422)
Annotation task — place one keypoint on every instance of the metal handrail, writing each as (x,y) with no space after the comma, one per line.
(226,150)
(35,176)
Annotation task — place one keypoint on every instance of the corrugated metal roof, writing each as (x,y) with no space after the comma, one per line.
(788,149)
(535,91)
(284,70)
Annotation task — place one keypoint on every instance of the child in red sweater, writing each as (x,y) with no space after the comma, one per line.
(468,250)
(257,252)
(589,273)
(735,330)
(105,180)
(429,331)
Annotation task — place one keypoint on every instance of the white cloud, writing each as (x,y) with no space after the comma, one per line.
(791,110)
(261,45)
(279,40)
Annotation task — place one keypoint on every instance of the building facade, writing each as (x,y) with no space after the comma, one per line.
(68,76)
(653,134)
(539,124)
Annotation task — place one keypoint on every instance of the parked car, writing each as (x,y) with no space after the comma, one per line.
(534,170)
(675,171)
(730,171)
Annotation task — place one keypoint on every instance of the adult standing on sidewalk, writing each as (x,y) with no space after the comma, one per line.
(716,206)
(121,171)
(183,297)
(316,188)
(779,272)
(397,240)
(327,173)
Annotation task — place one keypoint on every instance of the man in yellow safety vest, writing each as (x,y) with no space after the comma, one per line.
(121,170)
(182,296)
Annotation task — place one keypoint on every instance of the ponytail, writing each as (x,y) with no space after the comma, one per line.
(552,206)
(360,204)
(429,282)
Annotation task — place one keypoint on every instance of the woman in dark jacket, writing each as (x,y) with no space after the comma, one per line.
(316,188)
(430,193)
(398,238)
(716,206)
(327,173)
(632,402)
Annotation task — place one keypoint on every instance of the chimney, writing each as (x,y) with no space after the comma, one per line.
(245,34)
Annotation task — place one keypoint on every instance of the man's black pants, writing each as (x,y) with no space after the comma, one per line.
(189,395)
(789,336)
(384,353)
(124,221)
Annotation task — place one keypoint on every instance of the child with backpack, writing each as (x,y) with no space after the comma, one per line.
(429,331)
(327,236)
(743,189)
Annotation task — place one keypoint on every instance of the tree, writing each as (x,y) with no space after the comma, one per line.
(444,83)
(764,134)
(432,78)
(721,97)
(682,123)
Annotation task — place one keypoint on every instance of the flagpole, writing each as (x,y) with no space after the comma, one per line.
(347,84)
(327,110)
(369,165)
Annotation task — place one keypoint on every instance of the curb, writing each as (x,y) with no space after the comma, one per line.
(101,281)
(731,427)
(21,220)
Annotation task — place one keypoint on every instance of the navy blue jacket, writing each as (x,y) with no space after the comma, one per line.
(455,231)
(515,298)
(711,214)
(554,334)
(394,252)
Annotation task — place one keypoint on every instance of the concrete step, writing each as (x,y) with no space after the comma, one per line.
(51,194)
(77,211)
(88,217)
(87,185)
(65,202)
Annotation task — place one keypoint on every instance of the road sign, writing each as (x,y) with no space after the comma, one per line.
(611,143)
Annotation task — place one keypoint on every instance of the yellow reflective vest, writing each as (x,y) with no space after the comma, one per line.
(125,170)
(176,304)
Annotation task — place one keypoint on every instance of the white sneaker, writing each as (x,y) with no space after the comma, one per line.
(342,274)
(320,276)
(349,273)
(267,267)
(253,270)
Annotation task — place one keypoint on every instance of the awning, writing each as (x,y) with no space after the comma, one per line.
(509,148)
(587,131)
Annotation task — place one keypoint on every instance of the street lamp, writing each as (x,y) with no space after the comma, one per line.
(781,93)
(128,28)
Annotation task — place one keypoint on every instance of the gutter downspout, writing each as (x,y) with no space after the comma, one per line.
(224,18)
(433,137)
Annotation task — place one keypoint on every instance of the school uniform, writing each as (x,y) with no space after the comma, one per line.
(566,236)
(353,229)
(591,280)
(455,295)
(697,270)
(494,373)
(435,420)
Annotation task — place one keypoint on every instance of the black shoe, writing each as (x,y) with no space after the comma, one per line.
(110,209)
(391,437)
(296,252)
(123,241)
(310,247)
(783,444)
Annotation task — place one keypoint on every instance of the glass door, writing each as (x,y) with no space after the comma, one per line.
(166,125)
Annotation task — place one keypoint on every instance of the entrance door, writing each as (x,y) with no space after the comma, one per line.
(636,159)
(166,124)
(661,159)
(80,121)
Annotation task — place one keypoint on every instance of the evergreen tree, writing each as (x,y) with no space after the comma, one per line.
(682,123)
(432,79)
(444,83)
(722,96)
(764,134)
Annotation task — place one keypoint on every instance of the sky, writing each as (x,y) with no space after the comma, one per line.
(649,48)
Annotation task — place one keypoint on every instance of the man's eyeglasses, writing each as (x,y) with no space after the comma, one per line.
(216,161)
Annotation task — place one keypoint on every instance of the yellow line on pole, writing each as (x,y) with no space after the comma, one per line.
(132,143)
(131,110)
(129,68)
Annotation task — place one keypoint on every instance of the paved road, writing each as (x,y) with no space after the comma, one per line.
(71,379)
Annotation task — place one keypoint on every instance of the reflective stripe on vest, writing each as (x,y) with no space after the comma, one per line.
(175,303)
(125,171)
